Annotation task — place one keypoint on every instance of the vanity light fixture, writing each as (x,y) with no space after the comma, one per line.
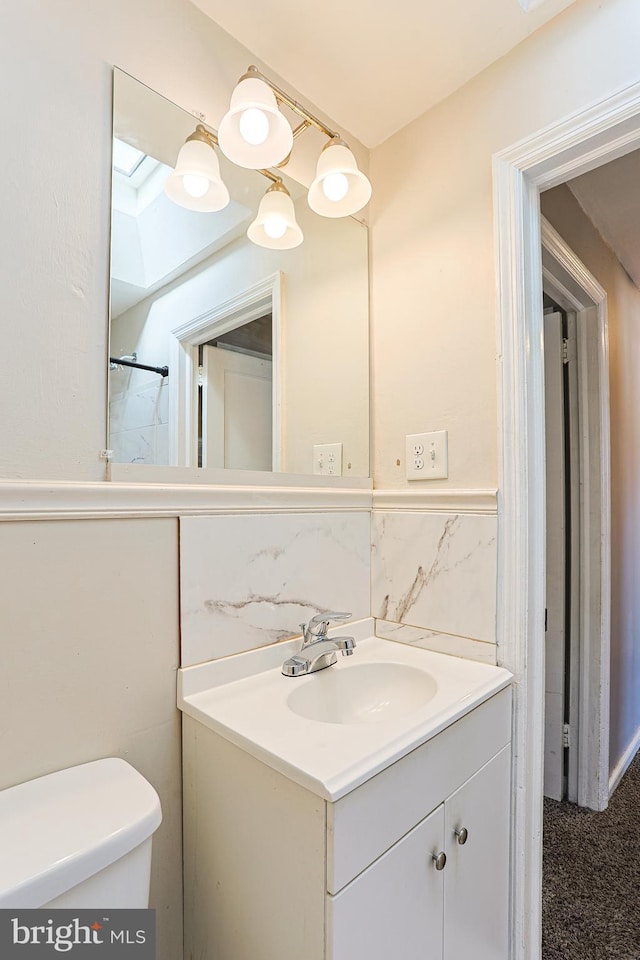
(275,224)
(254,134)
(196,182)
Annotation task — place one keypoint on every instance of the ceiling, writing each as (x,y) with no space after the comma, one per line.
(610,197)
(371,66)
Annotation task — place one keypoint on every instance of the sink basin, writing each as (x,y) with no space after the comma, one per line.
(364,693)
(334,729)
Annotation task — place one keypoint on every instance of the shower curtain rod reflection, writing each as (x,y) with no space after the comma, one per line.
(120,361)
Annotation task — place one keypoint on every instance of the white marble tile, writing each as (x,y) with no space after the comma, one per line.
(246,581)
(134,446)
(162,445)
(438,642)
(162,407)
(117,407)
(437,571)
(137,408)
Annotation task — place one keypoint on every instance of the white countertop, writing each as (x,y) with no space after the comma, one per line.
(244,699)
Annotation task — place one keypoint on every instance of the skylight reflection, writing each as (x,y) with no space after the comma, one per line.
(126,159)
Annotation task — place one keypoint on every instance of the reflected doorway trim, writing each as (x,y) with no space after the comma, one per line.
(574,288)
(587,139)
(252,303)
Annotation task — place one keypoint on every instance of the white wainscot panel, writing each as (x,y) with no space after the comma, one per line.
(247,581)
(436,571)
(438,642)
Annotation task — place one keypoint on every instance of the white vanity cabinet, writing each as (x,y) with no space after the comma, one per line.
(456,912)
(275,872)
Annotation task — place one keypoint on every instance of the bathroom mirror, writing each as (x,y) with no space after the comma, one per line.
(223,353)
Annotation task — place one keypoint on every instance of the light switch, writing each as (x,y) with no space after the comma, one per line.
(427,456)
(327,459)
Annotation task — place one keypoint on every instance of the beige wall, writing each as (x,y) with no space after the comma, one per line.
(563,211)
(88,667)
(434,329)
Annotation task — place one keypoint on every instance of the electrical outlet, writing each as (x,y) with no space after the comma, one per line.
(427,456)
(327,459)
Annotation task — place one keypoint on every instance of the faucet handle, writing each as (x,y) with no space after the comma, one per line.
(321,621)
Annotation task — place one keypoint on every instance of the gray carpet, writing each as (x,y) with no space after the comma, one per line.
(591,870)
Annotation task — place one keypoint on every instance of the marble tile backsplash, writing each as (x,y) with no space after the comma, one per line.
(247,581)
(436,571)
(438,642)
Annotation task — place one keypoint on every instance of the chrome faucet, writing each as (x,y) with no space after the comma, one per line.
(318,651)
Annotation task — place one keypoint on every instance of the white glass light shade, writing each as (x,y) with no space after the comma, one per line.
(335,163)
(275,223)
(252,103)
(196,183)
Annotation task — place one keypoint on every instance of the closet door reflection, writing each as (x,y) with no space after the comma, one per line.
(236,407)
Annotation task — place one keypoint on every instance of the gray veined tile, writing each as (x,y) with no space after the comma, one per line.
(436,571)
(251,580)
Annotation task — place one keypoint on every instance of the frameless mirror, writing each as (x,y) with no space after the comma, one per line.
(223,353)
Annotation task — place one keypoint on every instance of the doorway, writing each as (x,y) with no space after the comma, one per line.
(235,416)
(578,549)
(226,343)
(558,153)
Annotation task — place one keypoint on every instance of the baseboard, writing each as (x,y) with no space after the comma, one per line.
(623,763)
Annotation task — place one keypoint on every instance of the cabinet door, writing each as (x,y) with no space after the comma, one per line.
(393,908)
(476,877)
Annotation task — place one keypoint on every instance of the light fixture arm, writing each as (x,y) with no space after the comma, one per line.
(270,176)
(206,136)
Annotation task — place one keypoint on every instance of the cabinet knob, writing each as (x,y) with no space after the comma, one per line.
(462,835)
(439,860)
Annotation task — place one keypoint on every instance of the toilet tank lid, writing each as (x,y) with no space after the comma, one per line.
(62,828)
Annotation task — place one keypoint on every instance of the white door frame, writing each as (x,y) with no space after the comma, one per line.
(575,288)
(587,139)
(260,297)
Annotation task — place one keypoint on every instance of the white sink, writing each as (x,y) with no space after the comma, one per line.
(363,693)
(332,730)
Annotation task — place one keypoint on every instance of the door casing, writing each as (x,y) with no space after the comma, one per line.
(587,139)
(185,338)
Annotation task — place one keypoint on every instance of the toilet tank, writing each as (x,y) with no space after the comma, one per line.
(78,838)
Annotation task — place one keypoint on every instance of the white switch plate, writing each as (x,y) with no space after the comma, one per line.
(427,455)
(327,459)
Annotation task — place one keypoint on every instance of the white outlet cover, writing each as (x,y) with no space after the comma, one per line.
(327,459)
(433,464)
